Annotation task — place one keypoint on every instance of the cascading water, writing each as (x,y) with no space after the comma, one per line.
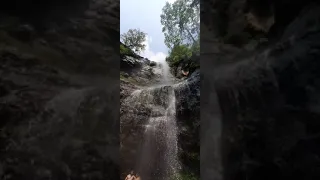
(158,154)
(166,75)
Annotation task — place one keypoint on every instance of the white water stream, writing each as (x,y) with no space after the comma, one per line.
(158,156)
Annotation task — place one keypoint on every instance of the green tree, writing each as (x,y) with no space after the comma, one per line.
(178,53)
(134,39)
(181,23)
(181,28)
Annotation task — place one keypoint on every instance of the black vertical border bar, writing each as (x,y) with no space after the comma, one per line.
(113,85)
(279,100)
(116,92)
(53,165)
(211,167)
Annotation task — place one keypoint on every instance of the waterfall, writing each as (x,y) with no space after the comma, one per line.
(167,77)
(157,154)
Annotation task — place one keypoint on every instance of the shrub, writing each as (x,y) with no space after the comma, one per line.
(126,51)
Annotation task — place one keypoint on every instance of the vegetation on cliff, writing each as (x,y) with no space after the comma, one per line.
(181,28)
(134,40)
(126,51)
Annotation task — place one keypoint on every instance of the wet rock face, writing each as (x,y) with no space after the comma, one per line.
(126,89)
(188,119)
(135,113)
(130,63)
(138,71)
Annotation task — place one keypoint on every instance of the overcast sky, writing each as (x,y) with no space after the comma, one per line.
(145,15)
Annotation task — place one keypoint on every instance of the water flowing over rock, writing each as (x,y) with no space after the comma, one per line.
(150,129)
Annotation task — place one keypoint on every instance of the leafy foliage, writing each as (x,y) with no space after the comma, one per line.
(181,23)
(126,51)
(178,53)
(181,28)
(134,39)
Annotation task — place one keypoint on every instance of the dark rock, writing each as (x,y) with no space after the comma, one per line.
(188,118)
(152,63)
(24,33)
(187,65)
(128,63)
(126,88)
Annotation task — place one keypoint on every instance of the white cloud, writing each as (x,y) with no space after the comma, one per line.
(171,1)
(148,53)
